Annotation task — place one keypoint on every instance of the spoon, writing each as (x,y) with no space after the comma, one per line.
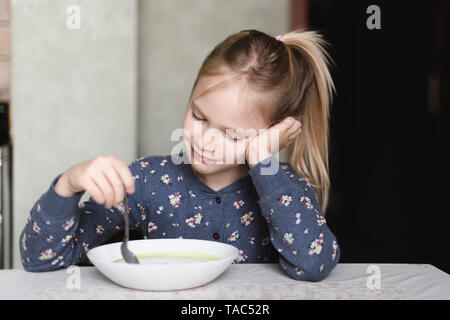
(128,256)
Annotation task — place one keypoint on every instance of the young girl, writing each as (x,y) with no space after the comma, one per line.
(249,81)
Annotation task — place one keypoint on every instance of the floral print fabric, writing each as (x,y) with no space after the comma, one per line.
(269,218)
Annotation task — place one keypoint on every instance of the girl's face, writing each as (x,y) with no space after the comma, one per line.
(216,124)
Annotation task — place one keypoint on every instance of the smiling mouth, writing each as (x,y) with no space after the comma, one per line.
(200,157)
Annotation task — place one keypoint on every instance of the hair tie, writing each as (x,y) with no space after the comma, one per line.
(280,38)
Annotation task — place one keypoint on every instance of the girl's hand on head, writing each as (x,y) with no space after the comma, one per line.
(259,147)
(105,178)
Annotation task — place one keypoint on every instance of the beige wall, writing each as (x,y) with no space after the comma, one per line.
(73,92)
(175,37)
(5,50)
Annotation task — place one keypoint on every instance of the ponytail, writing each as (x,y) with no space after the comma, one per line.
(308,154)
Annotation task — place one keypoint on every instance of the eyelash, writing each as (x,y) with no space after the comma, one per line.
(197,118)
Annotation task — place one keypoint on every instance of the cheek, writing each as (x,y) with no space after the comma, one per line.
(193,128)
(235,150)
(188,126)
(188,131)
(187,123)
(240,149)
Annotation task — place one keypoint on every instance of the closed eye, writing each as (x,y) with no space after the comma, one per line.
(228,136)
(197,118)
(233,138)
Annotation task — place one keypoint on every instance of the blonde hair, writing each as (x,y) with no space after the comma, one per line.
(288,78)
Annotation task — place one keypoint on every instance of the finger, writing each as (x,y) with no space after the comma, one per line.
(289,141)
(284,127)
(95,192)
(296,128)
(278,131)
(116,182)
(294,133)
(125,175)
(290,121)
(295,124)
(106,188)
(291,135)
(287,132)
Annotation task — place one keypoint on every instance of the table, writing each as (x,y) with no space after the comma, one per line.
(241,281)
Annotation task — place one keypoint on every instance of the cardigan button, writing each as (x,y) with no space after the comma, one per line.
(218,199)
(216,236)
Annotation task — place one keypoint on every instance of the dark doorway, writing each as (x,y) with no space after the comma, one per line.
(389,130)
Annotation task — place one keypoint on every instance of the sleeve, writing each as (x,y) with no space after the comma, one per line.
(59,230)
(298,230)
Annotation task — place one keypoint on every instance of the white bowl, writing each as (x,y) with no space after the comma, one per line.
(169,271)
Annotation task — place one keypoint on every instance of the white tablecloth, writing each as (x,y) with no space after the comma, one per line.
(241,281)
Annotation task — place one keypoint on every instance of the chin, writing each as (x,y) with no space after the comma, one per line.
(204,167)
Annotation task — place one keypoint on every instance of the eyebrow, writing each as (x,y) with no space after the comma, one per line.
(202,114)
